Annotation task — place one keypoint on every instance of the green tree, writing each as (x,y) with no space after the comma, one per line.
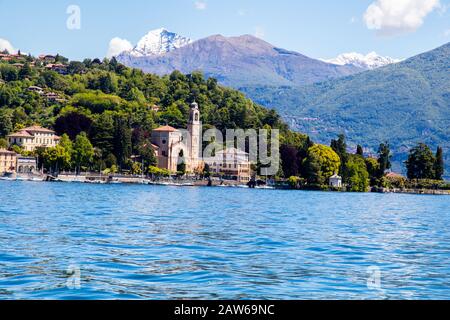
(173,117)
(294,182)
(6,96)
(157,172)
(384,158)
(439,166)
(67,144)
(108,83)
(56,158)
(102,133)
(3,143)
(421,163)
(320,164)
(340,147)
(122,140)
(83,151)
(358,177)
(360,150)
(147,155)
(373,168)
(9,72)
(136,168)
(6,124)
(25,71)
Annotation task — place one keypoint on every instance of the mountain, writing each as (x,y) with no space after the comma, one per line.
(157,42)
(239,61)
(368,62)
(403,103)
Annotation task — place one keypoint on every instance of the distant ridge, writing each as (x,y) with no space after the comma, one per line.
(403,103)
(239,61)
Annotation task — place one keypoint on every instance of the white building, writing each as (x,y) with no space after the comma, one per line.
(26,164)
(33,137)
(230,163)
(336,181)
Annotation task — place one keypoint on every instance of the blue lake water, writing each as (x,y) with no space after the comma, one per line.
(144,242)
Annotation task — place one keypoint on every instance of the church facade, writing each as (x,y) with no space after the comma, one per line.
(174,147)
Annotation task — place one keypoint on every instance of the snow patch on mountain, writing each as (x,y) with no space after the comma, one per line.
(157,42)
(370,61)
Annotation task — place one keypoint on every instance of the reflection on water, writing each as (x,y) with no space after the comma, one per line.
(143,242)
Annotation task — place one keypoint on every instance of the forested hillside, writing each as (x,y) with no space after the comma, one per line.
(117,107)
(403,103)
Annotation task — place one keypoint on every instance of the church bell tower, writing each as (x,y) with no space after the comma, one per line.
(195,131)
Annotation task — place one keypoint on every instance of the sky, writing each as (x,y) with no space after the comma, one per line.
(81,29)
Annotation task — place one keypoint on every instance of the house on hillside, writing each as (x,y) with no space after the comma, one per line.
(33,137)
(47,58)
(36,89)
(57,67)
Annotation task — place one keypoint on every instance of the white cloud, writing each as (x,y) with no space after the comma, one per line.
(447,33)
(353,20)
(390,17)
(117,46)
(200,5)
(259,32)
(6,45)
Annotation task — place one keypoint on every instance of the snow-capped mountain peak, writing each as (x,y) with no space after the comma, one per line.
(158,42)
(369,61)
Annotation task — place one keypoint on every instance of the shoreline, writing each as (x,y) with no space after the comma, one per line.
(106,180)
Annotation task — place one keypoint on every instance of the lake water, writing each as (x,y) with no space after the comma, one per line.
(80,241)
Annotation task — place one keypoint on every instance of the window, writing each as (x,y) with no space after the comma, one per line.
(164,141)
(164,154)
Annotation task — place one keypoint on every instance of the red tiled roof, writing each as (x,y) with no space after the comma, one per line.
(37,129)
(166,129)
(21,133)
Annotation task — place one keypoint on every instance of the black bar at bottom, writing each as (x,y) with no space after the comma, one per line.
(226,310)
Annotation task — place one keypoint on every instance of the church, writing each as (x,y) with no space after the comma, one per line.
(173,147)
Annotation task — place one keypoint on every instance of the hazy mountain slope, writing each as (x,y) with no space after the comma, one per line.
(241,61)
(403,103)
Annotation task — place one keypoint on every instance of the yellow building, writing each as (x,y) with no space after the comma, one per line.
(33,137)
(8,161)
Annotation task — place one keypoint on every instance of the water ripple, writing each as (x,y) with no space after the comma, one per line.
(143,242)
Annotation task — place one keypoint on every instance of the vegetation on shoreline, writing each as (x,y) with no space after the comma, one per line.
(105,113)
